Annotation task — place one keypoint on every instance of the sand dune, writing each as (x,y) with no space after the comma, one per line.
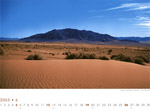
(73,74)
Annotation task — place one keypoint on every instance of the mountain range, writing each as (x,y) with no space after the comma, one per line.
(138,39)
(69,35)
(8,39)
(81,36)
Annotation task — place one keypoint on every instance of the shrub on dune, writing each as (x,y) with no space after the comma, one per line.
(128,59)
(29,51)
(34,57)
(114,57)
(66,53)
(80,56)
(109,51)
(121,57)
(144,59)
(92,56)
(139,61)
(2,52)
(71,56)
(104,58)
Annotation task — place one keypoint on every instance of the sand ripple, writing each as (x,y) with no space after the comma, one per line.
(73,74)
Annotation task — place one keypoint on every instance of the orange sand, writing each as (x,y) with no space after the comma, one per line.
(73,74)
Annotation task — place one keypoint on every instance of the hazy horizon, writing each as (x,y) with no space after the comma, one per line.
(72,28)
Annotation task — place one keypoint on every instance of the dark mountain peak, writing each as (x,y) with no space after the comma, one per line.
(61,30)
(70,29)
(69,34)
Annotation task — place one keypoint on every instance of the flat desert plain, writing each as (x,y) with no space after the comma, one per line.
(54,71)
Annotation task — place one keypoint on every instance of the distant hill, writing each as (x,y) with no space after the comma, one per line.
(81,36)
(8,39)
(138,39)
(69,35)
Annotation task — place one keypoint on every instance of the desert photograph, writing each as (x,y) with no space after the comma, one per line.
(70,65)
(67,48)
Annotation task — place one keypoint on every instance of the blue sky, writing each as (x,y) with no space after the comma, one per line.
(22,18)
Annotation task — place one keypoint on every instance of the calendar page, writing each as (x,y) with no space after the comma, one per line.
(74,55)
(75,100)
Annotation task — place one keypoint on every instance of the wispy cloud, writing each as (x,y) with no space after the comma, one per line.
(145,24)
(128,5)
(132,6)
(135,19)
(143,21)
(142,18)
(145,6)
